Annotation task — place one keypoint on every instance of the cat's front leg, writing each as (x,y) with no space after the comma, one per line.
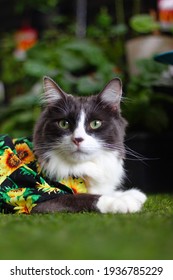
(123,202)
(68,203)
(130,201)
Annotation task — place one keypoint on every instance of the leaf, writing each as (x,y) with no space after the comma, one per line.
(87,85)
(144,23)
(2,143)
(35,197)
(33,68)
(27,171)
(71,61)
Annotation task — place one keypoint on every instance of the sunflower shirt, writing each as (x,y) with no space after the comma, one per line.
(22,184)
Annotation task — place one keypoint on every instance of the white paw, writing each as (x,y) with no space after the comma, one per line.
(130,201)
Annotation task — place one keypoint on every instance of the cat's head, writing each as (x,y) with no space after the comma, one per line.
(79,128)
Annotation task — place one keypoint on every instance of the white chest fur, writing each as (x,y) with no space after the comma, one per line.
(103,174)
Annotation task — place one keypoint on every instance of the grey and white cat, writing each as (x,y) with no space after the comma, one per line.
(84,137)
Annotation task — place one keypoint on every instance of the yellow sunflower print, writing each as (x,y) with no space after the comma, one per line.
(24,153)
(23,205)
(76,184)
(9,162)
(14,193)
(46,188)
(21,185)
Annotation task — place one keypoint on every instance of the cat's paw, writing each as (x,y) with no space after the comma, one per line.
(123,202)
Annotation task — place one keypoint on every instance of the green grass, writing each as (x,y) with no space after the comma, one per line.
(145,235)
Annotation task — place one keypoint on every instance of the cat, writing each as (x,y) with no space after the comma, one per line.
(84,137)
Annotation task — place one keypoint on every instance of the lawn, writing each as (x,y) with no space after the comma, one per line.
(145,235)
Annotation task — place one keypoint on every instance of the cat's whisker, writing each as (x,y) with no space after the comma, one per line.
(130,154)
(129,151)
(125,99)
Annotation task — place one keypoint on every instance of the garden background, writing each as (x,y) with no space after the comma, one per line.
(82,45)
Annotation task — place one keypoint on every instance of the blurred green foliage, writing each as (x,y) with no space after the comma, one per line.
(145,103)
(71,62)
(79,66)
(110,36)
(19,117)
(144,23)
(40,5)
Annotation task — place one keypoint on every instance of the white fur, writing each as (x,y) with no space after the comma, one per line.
(122,202)
(80,130)
(103,173)
(101,169)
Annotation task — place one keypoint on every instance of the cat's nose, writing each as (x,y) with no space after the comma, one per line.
(77,140)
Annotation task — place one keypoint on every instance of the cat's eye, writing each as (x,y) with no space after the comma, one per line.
(95,124)
(64,124)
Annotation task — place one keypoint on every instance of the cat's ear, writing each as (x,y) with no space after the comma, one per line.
(52,92)
(112,93)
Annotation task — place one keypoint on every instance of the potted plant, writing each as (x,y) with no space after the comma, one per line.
(148,40)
